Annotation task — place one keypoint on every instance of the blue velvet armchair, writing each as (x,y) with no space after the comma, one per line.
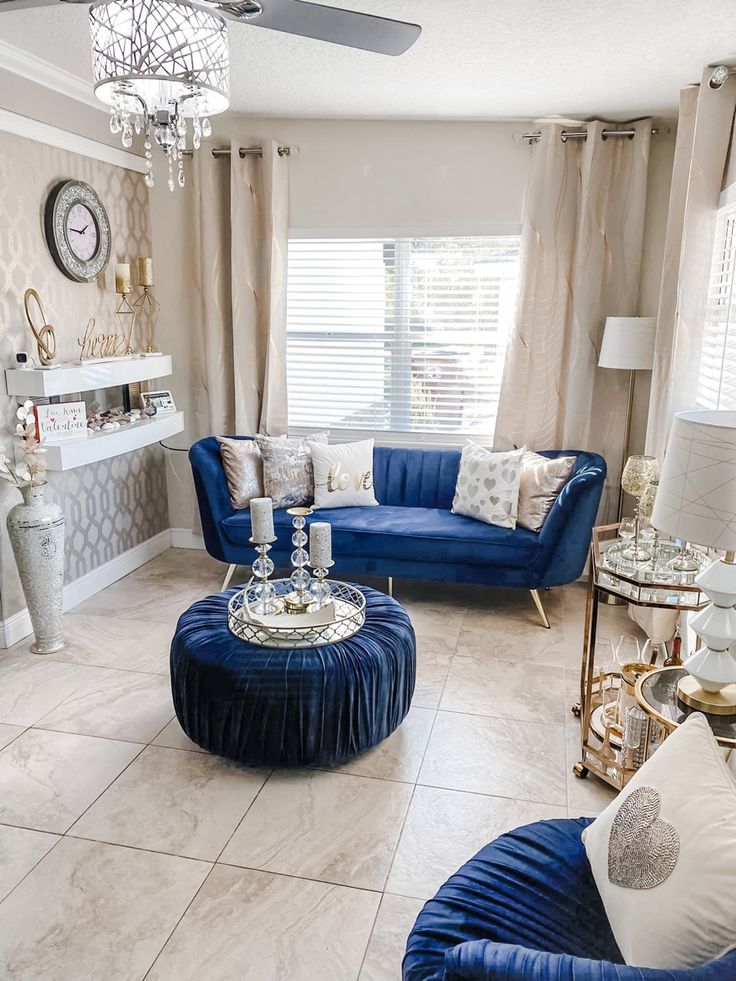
(413,534)
(526,908)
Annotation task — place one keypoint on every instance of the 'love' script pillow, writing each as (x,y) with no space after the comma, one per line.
(343,475)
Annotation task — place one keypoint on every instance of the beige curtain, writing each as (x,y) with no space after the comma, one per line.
(704,129)
(240,244)
(580,263)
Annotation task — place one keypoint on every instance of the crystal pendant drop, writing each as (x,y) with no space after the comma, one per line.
(149,181)
(115,124)
(138,124)
(206,127)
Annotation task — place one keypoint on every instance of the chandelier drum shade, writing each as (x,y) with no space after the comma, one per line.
(160,65)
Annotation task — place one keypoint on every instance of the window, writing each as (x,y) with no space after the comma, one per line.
(399,335)
(717,377)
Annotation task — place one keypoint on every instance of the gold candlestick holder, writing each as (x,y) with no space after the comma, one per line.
(148,310)
(125,317)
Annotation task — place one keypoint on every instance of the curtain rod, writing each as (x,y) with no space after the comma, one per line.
(249,151)
(566,135)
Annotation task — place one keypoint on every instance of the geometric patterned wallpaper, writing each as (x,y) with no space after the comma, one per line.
(115,504)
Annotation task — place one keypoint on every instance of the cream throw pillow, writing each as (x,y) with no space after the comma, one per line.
(542,479)
(663,855)
(343,475)
(487,487)
(243,466)
(288,477)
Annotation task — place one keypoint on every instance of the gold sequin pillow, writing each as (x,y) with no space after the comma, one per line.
(288,474)
(243,466)
(542,480)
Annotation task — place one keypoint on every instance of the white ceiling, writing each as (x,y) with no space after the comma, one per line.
(476,59)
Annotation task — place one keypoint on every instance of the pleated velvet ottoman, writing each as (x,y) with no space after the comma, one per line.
(274,707)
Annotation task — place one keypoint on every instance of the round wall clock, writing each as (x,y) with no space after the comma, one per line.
(77,231)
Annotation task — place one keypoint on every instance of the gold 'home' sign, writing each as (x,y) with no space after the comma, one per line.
(101,345)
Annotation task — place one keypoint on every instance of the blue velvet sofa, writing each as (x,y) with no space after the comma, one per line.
(413,534)
(526,908)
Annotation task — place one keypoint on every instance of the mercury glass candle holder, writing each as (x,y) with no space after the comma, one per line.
(638,474)
(299,599)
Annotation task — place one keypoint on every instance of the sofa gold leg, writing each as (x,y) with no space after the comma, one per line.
(540,608)
(230,573)
(390,586)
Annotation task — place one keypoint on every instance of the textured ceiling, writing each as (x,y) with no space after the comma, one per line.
(477,59)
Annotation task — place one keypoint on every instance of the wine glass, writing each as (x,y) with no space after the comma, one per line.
(628,650)
(605,664)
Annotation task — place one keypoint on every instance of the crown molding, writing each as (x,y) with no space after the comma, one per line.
(34,129)
(50,76)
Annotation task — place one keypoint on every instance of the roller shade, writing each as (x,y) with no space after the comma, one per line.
(403,335)
(717,374)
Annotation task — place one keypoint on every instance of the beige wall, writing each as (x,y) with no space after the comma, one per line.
(348,177)
(116,504)
(352,176)
(360,176)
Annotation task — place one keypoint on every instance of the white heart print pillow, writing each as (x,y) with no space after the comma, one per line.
(487,487)
(663,855)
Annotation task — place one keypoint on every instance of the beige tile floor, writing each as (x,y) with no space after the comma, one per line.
(126,852)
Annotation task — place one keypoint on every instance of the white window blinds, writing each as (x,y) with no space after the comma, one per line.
(717,374)
(403,335)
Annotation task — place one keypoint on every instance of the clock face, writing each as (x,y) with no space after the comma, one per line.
(81,231)
(77,231)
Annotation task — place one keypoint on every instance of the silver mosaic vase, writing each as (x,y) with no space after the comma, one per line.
(36,530)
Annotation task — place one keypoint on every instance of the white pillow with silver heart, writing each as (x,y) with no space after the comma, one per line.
(663,855)
(487,487)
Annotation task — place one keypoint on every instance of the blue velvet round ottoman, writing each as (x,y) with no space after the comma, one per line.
(274,707)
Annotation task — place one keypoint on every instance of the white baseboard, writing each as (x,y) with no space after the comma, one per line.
(18,626)
(186,538)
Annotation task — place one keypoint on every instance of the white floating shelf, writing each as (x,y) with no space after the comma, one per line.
(67,379)
(71,453)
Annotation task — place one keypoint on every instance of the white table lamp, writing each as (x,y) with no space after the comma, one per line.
(628,345)
(696,502)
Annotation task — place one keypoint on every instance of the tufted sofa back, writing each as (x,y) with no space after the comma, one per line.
(415,478)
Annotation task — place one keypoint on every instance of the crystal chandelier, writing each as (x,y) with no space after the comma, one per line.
(161,66)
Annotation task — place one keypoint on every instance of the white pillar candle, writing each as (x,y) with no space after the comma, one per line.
(261,520)
(122,277)
(320,545)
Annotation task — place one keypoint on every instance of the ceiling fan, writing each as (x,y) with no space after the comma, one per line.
(314,20)
(162,66)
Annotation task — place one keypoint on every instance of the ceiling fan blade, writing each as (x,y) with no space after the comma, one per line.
(24,4)
(348,27)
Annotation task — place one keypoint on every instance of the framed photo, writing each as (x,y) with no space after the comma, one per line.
(162,401)
(63,420)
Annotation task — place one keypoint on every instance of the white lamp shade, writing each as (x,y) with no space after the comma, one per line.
(628,342)
(696,500)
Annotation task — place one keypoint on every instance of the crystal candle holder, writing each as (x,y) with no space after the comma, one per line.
(299,599)
(265,602)
(320,589)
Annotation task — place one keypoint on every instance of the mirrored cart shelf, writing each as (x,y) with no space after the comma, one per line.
(71,453)
(70,378)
